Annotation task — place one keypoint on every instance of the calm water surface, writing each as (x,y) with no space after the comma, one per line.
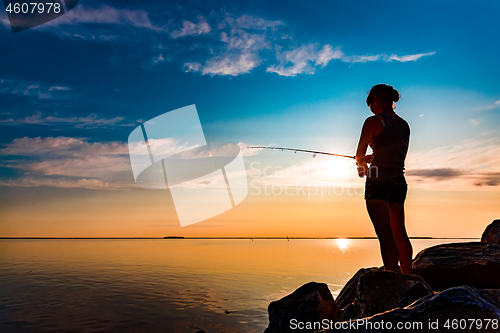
(166,285)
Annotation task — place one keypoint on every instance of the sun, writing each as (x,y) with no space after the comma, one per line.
(342,244)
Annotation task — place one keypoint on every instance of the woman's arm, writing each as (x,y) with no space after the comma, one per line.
(371,128)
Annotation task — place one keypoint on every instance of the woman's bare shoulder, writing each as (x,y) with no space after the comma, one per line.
(373,122)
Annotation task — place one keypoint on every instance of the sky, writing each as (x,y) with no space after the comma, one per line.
(293,74)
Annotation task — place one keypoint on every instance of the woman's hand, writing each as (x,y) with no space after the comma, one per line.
(362,169)
(368,159)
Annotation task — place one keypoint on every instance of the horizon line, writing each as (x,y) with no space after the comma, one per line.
(237,237)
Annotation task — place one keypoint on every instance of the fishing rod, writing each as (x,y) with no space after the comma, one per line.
(303,151)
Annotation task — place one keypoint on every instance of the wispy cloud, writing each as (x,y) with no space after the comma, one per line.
(68,162)
(90,121)
(252,22)
(58,182)
(305,59)
(473,163)
(488,179)
(105,15)
(38,90)
(487,107)
(61,146)
(300,60)
(440,173)
(328,53)
(189,28)
(225,45)
(59,88)
(410,57)
(242,40)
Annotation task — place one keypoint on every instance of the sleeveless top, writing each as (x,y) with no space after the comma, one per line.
(389,148)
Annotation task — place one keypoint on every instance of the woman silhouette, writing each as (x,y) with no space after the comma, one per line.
(385,190)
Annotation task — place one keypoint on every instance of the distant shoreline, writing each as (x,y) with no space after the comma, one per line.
(250,238)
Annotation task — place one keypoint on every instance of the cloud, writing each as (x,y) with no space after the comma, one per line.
(491,106)
(462,165)
(61,146)
(247,152)
(232,64)
(305,58)
(489,179)
(34,89)
(474,122)
(300,60)
(410,57)
(59,88)
(328,53)
(362,59)
(189,28)
(441,173)
(159,58)
(192,66)
(240,49)
(92,184)
(227,45)
(90,121)
(106,15)
(68,162)
(253,22)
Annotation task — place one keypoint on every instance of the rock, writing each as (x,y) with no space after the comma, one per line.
(454,306)
(348,294)
(492,233)
(474,264)
(492,294)
(312,302)
(379,291)
(371,291)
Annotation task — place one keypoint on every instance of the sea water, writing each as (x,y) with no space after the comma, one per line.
(167,285)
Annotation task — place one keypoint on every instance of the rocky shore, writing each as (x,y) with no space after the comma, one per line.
(455,287)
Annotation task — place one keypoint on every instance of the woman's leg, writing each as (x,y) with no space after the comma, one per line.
(402,240)
(380,214)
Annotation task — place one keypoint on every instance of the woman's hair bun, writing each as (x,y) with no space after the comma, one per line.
(385,93)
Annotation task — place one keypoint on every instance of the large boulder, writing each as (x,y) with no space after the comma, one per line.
(313,302)
(474,264)
(380,291)
(348,294)
(492,233)
(371,291)
(447,311)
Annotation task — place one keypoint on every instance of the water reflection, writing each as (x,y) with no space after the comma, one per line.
(342,244)
(149,285)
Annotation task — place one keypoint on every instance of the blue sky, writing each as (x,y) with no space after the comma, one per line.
(290,73)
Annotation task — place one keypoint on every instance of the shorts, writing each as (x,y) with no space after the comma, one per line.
(390,190)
